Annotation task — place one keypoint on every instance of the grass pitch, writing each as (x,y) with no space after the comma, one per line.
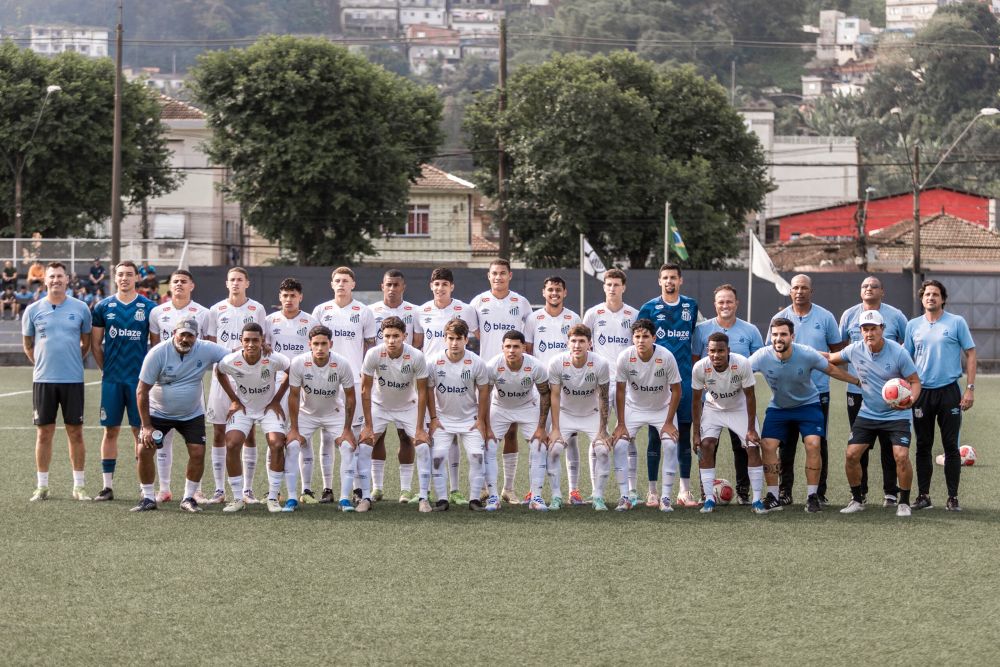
(92,584)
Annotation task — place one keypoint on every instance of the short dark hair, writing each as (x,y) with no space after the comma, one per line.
(290,285)
(670,266)
(458,327)
(320,330)
(580,330)
(252,327)
(616,273)
(514,334)
(393,273)
(782,322)
(499,261)
(183,272)
(443,274)
(238,269)
(719,337)
(923,285)
(127,262)
(56,265)
(644,324)
(393,322)
(555,280)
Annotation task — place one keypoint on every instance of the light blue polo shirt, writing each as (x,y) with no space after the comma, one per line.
(57,331)
(744,338)
(790,381)
(850,330)
(874,370)
(819,331)
(177,379)
(937,347)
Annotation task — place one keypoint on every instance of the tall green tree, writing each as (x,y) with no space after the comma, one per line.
(65,166)
(598,145)
(322,144)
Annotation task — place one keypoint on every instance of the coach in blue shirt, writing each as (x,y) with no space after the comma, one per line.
(816,327)
(56,332)
(936,341)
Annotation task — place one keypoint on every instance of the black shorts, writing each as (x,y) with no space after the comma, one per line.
(47,398)
(192,430)
(866,431)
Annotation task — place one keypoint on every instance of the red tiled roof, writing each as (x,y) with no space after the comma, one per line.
(437,179)
(171,109)
(482,246)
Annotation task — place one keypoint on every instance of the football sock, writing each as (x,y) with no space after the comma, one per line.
(491,467)
(509,470)
(108,471)
(165,461)
(668,463)
(78,477)
(236,484)
(773,490)
(405,477)
(454,461)
(811,489)
(219,467)
(592,460)
(423,462)
(685,485)
(190,488)
(477,473)
(326,461)
(306,464)
(633,466)
(856,493)
(621,467)
(147,491)
(602,468)
(536,467)
(291,474)
(904,496)
(43,479)
(554,469)
(652,486)
(756,475)
(346,470)
(708,481)
(439,469)
(378,473)
(249,467)
(573,463)
(274,483)
(364,470)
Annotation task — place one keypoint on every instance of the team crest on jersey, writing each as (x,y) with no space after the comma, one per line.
(515,311)
(140,315)
(659,306)
(526,382)
(566,364)
(467,374)
(660,372)
(631,359)
(736,379)
(590,377)
(356,318)
(600,311)
(457,308)
(265,374)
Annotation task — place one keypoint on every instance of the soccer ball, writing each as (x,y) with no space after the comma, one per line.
(968,455)
(724,492)
(896,392)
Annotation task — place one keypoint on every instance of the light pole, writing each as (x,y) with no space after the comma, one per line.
(21,158)
(919,185)
(862,219)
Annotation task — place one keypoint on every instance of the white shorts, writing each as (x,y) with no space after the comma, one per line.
(634,421)
(526,418)
(242,422)
(713,422)
(331,426)
(402,419)
(471,440)
(218,403)
(575,425)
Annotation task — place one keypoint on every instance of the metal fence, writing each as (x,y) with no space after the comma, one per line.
(77,254)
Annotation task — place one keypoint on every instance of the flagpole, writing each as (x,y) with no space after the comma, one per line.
(666,233)
(581,275)
(750,276)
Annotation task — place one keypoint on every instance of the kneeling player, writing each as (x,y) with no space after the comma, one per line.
(517,403)
(648,393)
(727,383)
(580,381)
(877,360)
(255,377)
(461,410)
(316,403)
(399,398)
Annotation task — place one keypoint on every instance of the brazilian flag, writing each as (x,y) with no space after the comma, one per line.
(676,242)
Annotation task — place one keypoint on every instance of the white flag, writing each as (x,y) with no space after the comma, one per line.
(763,267)
(592,264)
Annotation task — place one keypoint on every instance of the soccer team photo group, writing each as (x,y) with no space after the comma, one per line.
(496,406)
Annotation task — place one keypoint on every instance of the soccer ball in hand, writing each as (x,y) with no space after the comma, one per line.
(724,492)
(968,455)
(896,392)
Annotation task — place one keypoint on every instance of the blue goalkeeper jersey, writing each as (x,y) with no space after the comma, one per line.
(126,336)
(674,326)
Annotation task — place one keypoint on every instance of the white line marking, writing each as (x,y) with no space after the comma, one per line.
(28,391)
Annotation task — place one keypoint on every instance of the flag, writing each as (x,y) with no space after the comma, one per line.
(676,242)
(763,267)
(592,264)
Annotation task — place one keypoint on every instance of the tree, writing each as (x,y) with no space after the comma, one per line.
(322,144)
(598,145)
(66,167)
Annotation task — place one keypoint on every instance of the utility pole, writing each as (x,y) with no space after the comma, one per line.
(861,214)
(116,148)
(917,277)
(503,227)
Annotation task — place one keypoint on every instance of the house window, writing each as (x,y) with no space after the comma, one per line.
(418,223)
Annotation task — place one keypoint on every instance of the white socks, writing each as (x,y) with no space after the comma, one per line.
(306,464)
(423,462)
(668,466)
(405,477)
(573,463)
(147,491)
(326,461)
(536,467)
(78,478)
(454,461)
(477,473)
(190,488)
(602,469)
(219,467)
(346,470)
(811,489)
(378,473)
(491,467)
(165,461)
(249,467)
(440,465)
(708,481)
(622,462)
(633,466)
(554,469)
(292,451)
(756,481)
(509,471)
(43,479)
(364,467)
(236,484)
(274,479)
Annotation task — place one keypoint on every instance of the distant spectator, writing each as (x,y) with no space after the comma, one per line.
(39,294)
(83,295)
(151,284)
(36,275)
(24,298)
(98,277)
(8,302)
(96,298)
(146,269)
(74,284)
(166,297)
(9,275)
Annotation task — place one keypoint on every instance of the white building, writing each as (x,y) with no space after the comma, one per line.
(909,15)
(53,39)
(477,21)
(427,45)
(370,16)
(426,12)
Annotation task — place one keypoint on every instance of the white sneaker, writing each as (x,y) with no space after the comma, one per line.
(249,498)
(665,504)
(164,496)
(852,507)
(235,506)
(903,509)
(537,504)
(217,498)
(79,493)
(424,505)
(200,498)
(273,505)
(492,504)
(684,499)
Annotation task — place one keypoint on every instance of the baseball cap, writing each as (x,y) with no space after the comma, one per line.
(871,317)
(188,325)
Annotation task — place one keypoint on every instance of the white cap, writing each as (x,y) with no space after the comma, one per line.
(871,317)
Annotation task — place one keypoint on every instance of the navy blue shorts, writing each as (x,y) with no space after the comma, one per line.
(808,419)
(116,399)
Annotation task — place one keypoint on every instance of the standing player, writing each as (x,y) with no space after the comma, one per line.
(520,400)
(850,332)
(794,407)
(119,343)
(726,382)
(580,381)
(321,398)
(674,317)
(255,400)
(53,328)
(287,332)
(546,333)
(744,340)
(225,325)
(817,328)
(936,341)
(648,393)
(353,328)
(461,410)
(399,397)
(434,315)
(877,360)
(392,305)
(500,310)
(162,321)
(169,397)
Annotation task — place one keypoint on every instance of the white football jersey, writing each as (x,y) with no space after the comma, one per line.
(497,317)
(548,334)
(724,391)
(611,331)
(578,387)
(512,389)
(164,318)
(405,311)
(226,321)
(320,395)
(456,385)
(433,319)
(255,384)
(289,336)
(395,380)
(647,382)
(351,326)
